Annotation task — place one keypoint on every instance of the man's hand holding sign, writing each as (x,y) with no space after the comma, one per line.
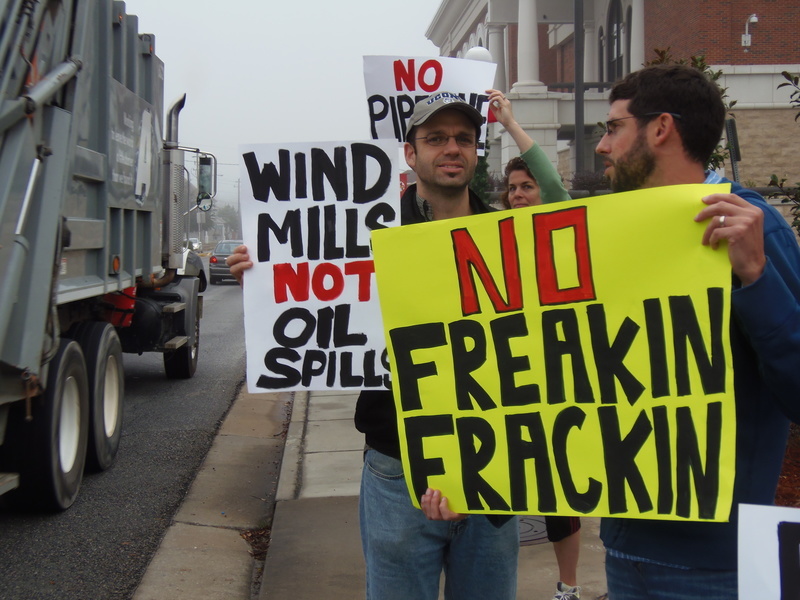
(741,225)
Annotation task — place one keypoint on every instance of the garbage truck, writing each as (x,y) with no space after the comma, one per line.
(94,198)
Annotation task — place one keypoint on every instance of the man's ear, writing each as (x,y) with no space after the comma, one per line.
(410,154)
(663,129)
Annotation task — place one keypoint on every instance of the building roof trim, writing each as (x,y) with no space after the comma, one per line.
(444,22)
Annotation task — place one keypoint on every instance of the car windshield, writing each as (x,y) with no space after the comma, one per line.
(226,248)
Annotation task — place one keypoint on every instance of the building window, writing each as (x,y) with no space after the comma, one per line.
(601,62)
(629,30)
(615,41)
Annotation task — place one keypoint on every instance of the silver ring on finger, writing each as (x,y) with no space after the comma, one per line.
(722,221)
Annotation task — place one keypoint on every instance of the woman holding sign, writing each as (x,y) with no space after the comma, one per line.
(522,189)
(530,177)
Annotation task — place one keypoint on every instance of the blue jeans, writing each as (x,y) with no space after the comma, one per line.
(405,553)
(633,580)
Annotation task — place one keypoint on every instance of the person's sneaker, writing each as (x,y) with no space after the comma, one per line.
(567,592)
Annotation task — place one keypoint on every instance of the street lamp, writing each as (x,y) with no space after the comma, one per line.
(479,53)
(746,36)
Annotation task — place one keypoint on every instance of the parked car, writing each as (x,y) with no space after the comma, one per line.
(217,268)
(194,244)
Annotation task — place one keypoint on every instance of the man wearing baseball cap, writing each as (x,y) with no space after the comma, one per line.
(405,553)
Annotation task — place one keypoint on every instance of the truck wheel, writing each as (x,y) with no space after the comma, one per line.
(103,353)
(182,363)
(53,443)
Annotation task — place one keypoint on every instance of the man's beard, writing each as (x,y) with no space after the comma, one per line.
(633,168)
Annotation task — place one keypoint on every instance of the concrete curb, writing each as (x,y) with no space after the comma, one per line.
(203,554)
(291,474)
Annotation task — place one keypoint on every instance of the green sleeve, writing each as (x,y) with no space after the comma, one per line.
(547,177)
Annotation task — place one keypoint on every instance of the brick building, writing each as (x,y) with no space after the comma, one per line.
(533,42)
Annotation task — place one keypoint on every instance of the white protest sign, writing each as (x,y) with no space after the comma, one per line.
(769,552)
(394,84)
(312,318)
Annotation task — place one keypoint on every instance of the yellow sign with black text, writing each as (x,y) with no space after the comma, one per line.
(571,359)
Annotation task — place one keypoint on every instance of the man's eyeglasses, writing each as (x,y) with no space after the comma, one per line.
(609,125)
(439,139)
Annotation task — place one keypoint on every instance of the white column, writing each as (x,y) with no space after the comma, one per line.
(497,48)
(590,52)
(528,49)
(637,35)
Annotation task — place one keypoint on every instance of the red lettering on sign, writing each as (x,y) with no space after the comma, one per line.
(546,273)
(326,281)
(286,278)
(469,259)
(318,282)
(363,269)
(429,77)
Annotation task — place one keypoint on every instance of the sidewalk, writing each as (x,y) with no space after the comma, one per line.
(315,548)
(203,554)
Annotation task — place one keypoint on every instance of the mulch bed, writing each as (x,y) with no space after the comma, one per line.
(788,493)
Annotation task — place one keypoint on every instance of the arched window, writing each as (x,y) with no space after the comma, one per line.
(615,41)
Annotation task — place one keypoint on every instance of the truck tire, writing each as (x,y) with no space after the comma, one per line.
(50,449)
(182,363)
(102,351)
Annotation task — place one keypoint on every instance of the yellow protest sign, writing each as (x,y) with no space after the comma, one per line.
(569,359)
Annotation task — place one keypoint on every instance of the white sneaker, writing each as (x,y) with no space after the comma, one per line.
(567,592)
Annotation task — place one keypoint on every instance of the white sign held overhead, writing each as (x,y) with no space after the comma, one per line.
(394,84)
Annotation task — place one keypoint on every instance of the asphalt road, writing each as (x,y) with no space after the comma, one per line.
(100,547)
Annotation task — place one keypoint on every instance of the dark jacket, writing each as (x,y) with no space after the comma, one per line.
(376,416)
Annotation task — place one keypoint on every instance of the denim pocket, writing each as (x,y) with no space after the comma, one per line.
(383,466)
